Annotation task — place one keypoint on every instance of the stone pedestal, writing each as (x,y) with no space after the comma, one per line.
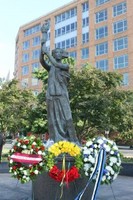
(45,188)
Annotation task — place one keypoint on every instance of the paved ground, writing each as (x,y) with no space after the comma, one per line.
(11,189)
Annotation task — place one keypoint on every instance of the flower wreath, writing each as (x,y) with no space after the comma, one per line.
(113,161)
(64,175)
(26,158)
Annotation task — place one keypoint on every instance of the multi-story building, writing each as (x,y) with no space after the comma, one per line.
(96,31)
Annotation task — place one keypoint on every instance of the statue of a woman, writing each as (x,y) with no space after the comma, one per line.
(60,124)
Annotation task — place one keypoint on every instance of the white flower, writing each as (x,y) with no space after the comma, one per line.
(88,143)
(19,144)
(25,172)
(115,176)
(100,141)
(103,178)
(15,173)
(107,148)
(86,173)
(108,168)
(87,166)
(21,168)
(87,151)
(34,143)
(111,164)
(95,145)
(115,148)
(111,152)
(24,146)
(84,148)
(41,164)
(85,159)
(40,152)
(113,159)
(11,161)
(36,171)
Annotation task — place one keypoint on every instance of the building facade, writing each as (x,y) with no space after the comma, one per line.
(96,31)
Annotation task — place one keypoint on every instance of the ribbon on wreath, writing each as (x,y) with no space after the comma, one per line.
(98,172)
(26,158)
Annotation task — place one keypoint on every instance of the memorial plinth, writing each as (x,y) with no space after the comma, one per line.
(46,188)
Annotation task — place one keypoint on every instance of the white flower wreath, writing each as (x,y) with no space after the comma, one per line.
(113,161)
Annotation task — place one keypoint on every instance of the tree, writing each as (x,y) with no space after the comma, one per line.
(15,106)
(98,102)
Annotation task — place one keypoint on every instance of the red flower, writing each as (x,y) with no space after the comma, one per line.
(64,175)
(26,142)
(15,147)
(14,167)
(42,148)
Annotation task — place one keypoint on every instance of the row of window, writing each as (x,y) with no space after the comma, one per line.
(119,62)
(25,69)
(100,2)
(66,29)
(32,30)
(66,15)
(25,82)
(101,49)
(117,10)
(65,44)
(101,32)
(35,42)
(35,55)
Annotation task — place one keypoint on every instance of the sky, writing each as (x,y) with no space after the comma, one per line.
(13,14)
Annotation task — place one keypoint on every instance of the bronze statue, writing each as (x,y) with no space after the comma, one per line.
(60,123)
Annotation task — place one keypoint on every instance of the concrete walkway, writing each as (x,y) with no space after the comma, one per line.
(11,189)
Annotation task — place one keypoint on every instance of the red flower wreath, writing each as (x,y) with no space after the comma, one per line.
(65,175)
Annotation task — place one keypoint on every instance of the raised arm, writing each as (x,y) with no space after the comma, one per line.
(44,62)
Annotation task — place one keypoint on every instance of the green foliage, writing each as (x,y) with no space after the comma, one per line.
(98,102)
(15,106)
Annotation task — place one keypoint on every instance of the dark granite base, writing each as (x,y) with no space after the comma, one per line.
(127,169)
(45,188)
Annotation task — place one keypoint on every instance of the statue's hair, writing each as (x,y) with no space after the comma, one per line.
(63,52)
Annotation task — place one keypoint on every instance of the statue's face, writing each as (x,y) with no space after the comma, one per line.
(58,54)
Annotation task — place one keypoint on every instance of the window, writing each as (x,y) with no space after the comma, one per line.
(73,54)
(121,61)
(120,43)
(24,83)
(85,7)
(68,43)
(101,16)
(102,64)
(25,70)
(26,44)
(125,79)
(36,41)
(85,22)
(34,81)
(100,2)
(101,48)
(119,9)
(101,32)
(85,38)
(35,66)
(85,53)
(32,30)
(35,54)
(68,28)
(63,30)
(25,57)
(120,26)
